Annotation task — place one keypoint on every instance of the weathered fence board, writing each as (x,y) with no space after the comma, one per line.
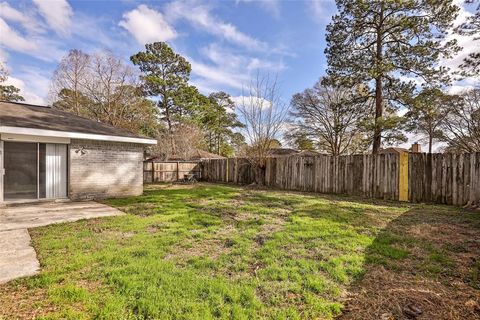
(169,171)
(439,178)
(445,178)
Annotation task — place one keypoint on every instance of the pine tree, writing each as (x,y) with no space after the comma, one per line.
(387,44)
(165,76)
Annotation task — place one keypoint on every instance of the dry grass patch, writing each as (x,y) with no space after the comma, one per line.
(392,295)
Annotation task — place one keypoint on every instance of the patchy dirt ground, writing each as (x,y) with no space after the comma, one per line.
(439,279)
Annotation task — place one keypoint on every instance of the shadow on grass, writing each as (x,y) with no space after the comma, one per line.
(422,265)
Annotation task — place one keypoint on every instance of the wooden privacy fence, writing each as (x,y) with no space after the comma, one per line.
(169,171)
(416,177)
(445,178)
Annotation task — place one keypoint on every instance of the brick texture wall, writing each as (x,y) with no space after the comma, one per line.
(101,169)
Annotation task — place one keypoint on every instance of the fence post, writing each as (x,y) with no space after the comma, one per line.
(226,180)
(178,174)
(403,177)
(153,171)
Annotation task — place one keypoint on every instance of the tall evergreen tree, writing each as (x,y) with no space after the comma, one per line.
(165,75)
(220,121)
(471,27)
(385,42)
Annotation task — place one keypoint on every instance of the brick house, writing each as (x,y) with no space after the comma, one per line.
(46,153)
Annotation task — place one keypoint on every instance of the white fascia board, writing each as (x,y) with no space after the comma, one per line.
(73,135)
(32,138)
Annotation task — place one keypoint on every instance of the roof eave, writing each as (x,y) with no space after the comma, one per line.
(75,135)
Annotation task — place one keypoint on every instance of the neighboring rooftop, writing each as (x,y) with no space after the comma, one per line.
(22,115)
(415,148)
(195,155)
(285,152)
(279,152)
(394,150)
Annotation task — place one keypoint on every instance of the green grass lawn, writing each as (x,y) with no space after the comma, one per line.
(220,252)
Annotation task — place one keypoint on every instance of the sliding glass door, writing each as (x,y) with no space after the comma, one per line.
(34,171)
(20,164)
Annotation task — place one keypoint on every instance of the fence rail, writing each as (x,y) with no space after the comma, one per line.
(169,171)
(440,178)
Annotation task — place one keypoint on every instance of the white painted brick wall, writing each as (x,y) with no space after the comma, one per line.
(106,169)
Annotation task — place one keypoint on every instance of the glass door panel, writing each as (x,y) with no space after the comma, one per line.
(20,163)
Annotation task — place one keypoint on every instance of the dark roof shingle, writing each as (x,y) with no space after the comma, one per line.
(14,114)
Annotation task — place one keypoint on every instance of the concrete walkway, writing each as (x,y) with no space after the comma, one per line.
(17,256)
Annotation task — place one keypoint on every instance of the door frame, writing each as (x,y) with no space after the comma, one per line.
(2,170)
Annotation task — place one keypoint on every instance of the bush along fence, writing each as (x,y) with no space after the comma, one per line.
(416,177)
(169,171)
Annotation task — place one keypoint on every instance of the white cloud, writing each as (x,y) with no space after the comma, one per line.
(39,47)
(468,43)
(251,101)
(13,40)
(229,60)
(224,68)
(3,56)
(57,13)
(256,64)
(200,16)
(321,10)
(214,76)
(271,6)
(11,14)
(31,88)
(147,25)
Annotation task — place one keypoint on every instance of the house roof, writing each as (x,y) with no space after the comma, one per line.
(309,153)
(275,152)
(22,118)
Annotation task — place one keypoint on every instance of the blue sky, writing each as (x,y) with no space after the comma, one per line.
(226,41)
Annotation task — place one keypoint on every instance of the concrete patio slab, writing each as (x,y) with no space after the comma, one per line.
(17,256)
(42,214)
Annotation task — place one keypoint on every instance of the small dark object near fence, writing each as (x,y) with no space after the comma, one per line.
(189,179)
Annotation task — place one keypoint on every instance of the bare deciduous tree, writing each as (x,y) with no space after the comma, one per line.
(462,125)
(104,88)
(264,115)
(71,75)
(331,117)
(427,112)
(187,139)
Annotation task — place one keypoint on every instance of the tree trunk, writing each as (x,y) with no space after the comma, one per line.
(260,175)
(170,129)
(377,136)
(430,143)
